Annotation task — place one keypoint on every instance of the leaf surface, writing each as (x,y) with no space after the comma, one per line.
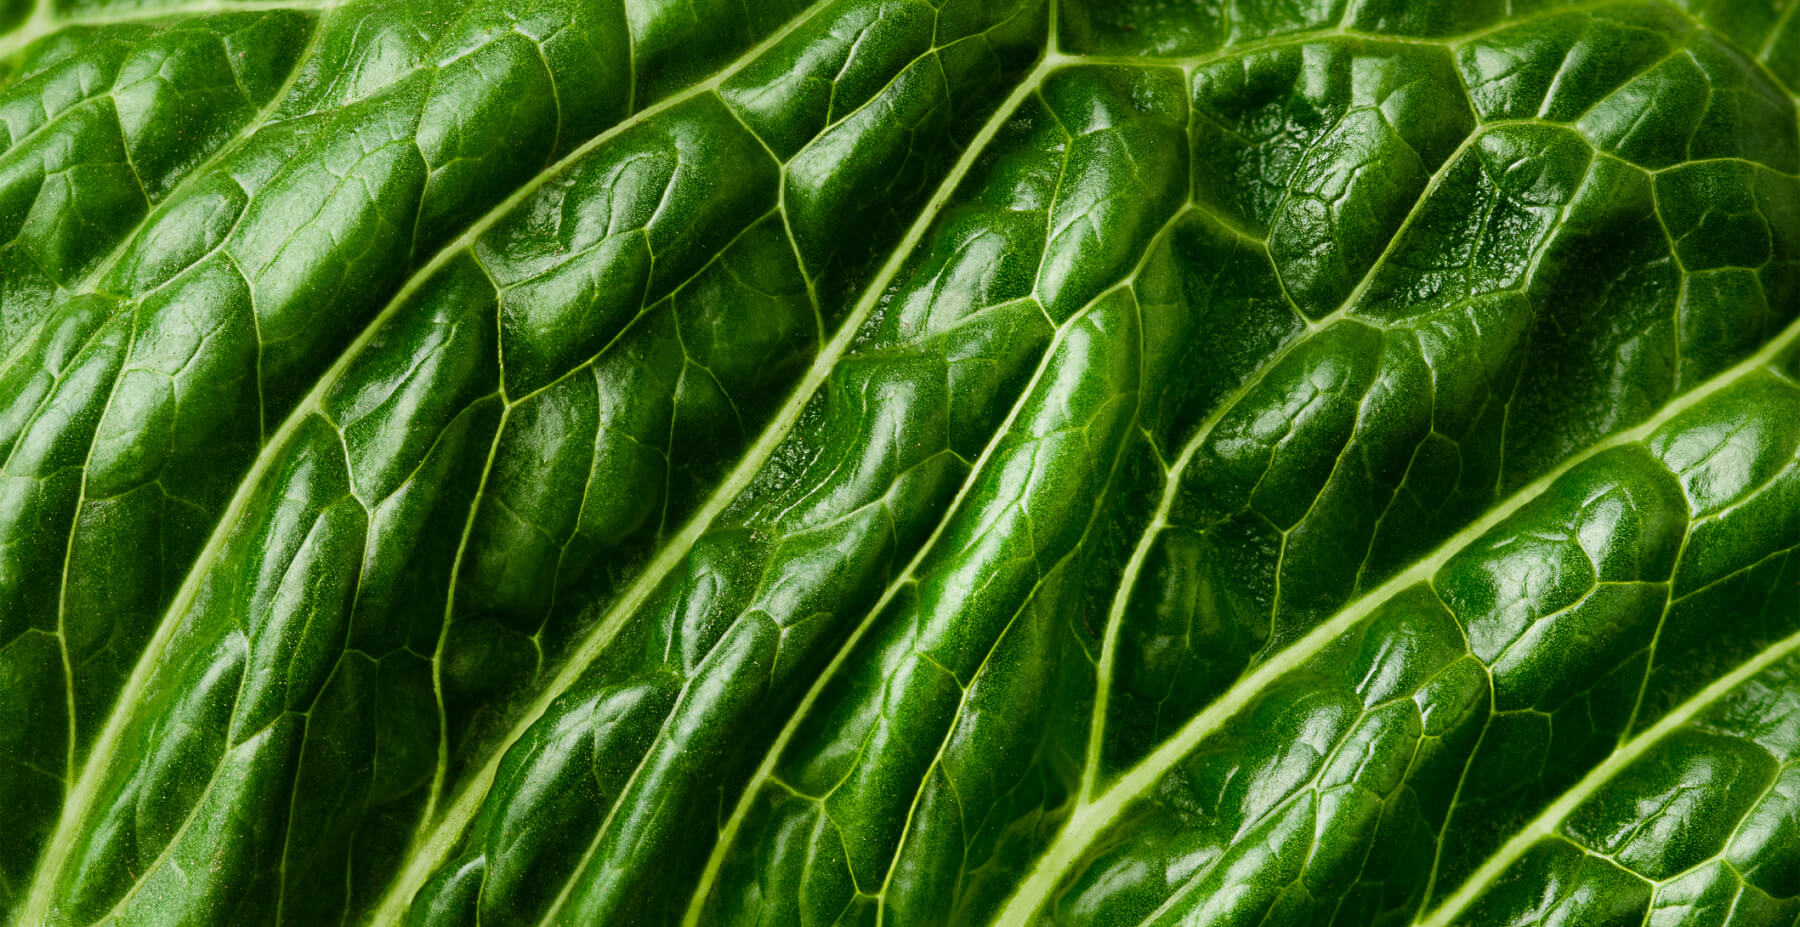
(903,462)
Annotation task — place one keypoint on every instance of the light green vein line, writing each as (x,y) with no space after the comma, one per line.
(86,790)
(1091,818)
(248,130)
(1775,31)
(428,855)
(1552,817)
(1173,476)
(765,771)
(44,23)
(441,769)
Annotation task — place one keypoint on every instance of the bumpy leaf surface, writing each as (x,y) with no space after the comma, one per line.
(1089,462)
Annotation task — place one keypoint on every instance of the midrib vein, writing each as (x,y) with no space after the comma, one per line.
(81,797)
(1091,818)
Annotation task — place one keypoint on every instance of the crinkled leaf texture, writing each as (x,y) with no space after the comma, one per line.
(938,462)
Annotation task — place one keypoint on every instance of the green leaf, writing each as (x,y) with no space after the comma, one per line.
(900,461)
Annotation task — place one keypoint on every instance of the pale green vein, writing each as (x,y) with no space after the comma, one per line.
(1091,818)
(87,788)
(257,122)
(765,771)
(1552,817)
(1172,478)
(442,767)
(431,852)
(43,22)
(1775,31)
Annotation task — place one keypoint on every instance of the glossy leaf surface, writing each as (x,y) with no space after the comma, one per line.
(518,462)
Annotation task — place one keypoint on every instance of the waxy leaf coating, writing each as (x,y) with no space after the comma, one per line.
(937,462)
